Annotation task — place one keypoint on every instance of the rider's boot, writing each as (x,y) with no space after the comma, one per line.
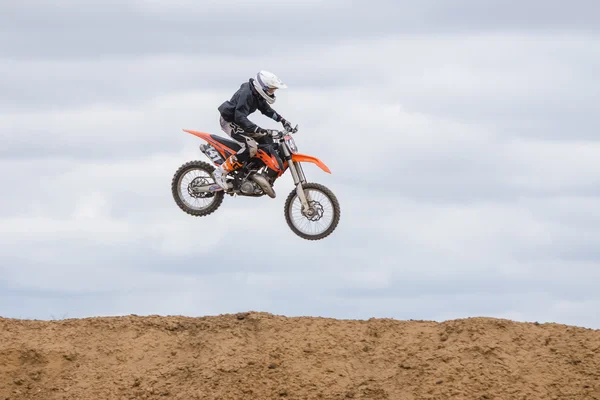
(221,172)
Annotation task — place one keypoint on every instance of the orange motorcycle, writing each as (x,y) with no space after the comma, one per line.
(311,210)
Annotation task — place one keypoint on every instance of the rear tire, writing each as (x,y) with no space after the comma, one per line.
(176,190)
(336,212)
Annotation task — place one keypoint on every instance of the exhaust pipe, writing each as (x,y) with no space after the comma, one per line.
(264,184)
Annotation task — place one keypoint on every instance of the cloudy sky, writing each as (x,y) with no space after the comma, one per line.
(463,138)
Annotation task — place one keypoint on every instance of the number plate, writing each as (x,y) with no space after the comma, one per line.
(291,144)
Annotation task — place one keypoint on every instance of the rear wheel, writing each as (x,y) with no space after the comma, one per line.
(322,216)
(188,176)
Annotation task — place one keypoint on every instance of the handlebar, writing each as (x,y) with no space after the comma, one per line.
(280,134)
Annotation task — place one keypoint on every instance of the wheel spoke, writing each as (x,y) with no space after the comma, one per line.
(198,178)
(318,222)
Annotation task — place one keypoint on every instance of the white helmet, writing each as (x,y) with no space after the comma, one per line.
(266,83)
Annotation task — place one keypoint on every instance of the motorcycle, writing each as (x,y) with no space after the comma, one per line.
(311,210)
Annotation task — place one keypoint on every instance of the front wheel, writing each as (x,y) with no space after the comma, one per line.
(322,217)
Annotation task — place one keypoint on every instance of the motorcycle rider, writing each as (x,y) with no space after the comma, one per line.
(257,93)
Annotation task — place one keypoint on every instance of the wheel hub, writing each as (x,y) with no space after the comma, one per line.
(196,182)
(315,211)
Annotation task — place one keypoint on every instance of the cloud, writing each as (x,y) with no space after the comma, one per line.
(266,27)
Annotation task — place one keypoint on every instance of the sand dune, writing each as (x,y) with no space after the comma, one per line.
(262,356)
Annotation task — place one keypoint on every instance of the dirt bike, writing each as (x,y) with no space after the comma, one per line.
(311,210)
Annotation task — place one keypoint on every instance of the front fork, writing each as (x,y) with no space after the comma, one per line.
(299,179)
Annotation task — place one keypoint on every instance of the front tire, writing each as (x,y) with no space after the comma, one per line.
(198,205)
(325,212)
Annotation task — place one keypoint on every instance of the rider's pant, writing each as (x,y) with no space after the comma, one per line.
(245,139)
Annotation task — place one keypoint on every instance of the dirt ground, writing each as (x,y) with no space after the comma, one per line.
(262,356)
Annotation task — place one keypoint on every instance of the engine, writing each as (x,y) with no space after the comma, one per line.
(250,188)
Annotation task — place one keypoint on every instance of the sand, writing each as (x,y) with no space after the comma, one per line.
(258,355)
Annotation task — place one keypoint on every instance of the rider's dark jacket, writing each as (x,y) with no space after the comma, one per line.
(244,102)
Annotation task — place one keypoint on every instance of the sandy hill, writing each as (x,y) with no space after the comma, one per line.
(263,356)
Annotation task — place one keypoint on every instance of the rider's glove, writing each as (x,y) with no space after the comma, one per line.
(286,124)
(260,132)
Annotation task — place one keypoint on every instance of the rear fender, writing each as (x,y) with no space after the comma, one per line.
(202,135)
(221,148)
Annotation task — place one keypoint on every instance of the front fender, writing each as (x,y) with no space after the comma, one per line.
(306,158)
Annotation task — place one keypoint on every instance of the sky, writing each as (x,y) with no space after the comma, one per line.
(463,140)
